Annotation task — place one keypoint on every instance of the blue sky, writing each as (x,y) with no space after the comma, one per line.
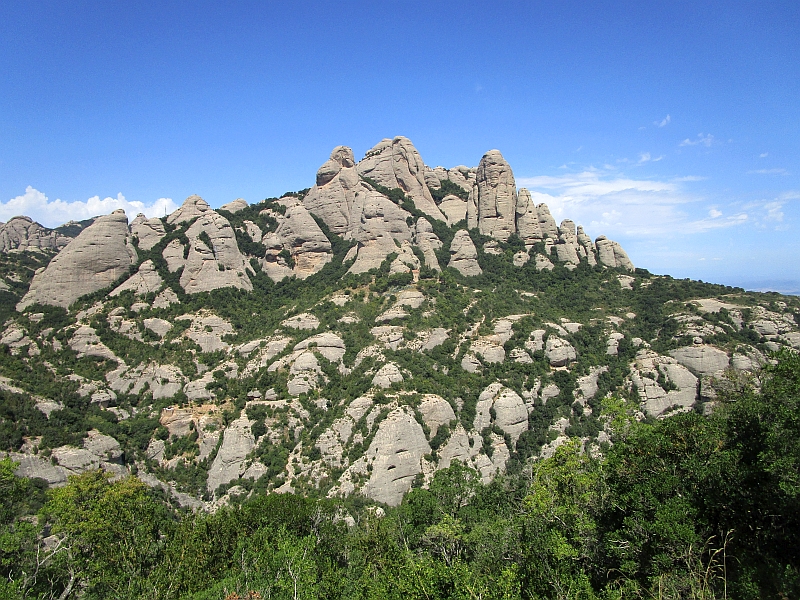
(670,127)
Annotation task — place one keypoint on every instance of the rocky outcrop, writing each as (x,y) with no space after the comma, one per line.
(611,254)
(214,260)
(229,464)
(464,255)
(527,218)
(192,208)
(387,375)
(298,234)
(454,208)
(510,413)
(428,243)
(23,233)
(100,255)
(143,282)
(559,352)
(397,164)
(147,232)
(651,373)
(333,196)
(702,359)
(235,206)
(395,456)
(495,200)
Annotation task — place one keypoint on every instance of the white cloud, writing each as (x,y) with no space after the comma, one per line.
(702,139)
(52,213)
(663,122)
(690,178)
(774,212)
(763,155)
(769,172)
(646,157)
(714,213)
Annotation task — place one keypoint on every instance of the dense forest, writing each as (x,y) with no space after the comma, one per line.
(691,506)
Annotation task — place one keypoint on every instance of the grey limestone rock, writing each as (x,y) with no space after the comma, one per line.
(559,352)
(299,234)
(703,359)
(95,259)
(454,208)
(611,254)
(395,454)
(229,464)
(528,227)
(496,200)
(464,255)
(387,375)
(397,164)
(141,283)
(436,411)
(148,232)
(547,224)
(428,243)
(235,206)
(192,208)
(511,415)
(218,266)
(23,233)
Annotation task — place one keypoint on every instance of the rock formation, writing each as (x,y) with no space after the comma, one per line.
(495,197)
(148,232)
(463,255)
(23,233)
(397,164)
(100,255)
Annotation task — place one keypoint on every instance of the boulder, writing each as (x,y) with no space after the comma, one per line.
(436,411)
(464,255)
(333,195)
(547,224)
(496,199)
(148,232)
(611,254)
(23,233)
(559,352)
(397,164)
(100,255)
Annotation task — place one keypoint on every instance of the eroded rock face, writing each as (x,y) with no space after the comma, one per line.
(214,260)
(559,352)
(428,242)
(528,227)
(646,372)
(706,360)
(333,196)
(148,232)
(496,200)
(611,254)
(229,464)
(23,233)
(511,415)
(193,207)
(464,255)
(299,234)
(143,282)
(235,206)
(397,164)
(395,454)
(100,255)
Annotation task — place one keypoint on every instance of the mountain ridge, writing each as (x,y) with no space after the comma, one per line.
(355,337)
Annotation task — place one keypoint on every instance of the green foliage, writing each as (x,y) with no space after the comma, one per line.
(448,188)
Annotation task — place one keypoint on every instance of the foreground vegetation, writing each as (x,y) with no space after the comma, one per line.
(687,507)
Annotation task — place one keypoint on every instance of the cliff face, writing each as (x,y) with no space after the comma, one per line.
(358,337)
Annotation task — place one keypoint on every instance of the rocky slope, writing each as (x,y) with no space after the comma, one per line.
(354,337)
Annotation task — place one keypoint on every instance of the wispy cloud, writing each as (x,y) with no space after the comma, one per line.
(663,122)
(714,213)
(763,155)
(690,178)
(52,213)
(645,157)
(701,140)
(768,172)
